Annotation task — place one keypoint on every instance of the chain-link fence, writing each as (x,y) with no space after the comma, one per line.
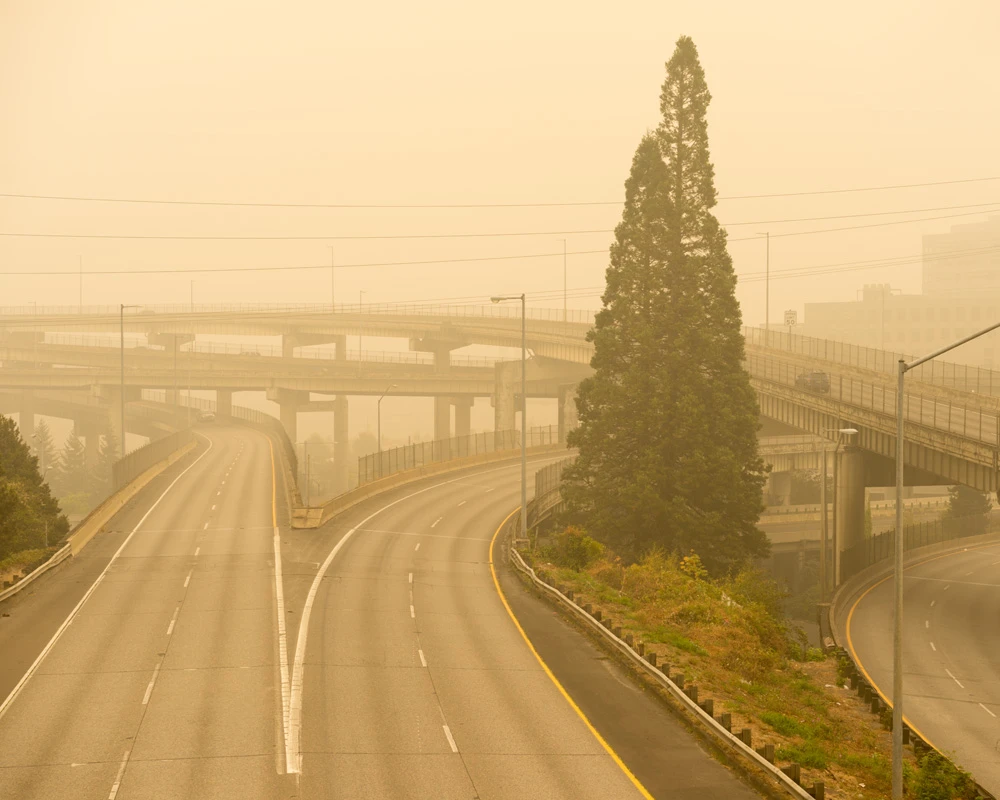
(138,461)
(389,462)
(548,498)
(882,546)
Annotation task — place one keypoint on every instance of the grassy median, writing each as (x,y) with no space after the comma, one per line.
(730,637)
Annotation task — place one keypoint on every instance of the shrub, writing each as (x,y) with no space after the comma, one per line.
(939,779)
(576,550)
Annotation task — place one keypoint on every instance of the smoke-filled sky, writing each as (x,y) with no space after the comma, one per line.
(459,103)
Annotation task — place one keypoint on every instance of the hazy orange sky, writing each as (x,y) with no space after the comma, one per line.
(448,102)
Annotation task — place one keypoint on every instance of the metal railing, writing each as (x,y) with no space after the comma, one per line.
(881,546)
(967,422)
(548,497)
(937,372)
(139,460)
(389,462)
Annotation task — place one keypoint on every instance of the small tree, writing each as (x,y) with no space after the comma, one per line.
(71,475)
(103,474)
(971,506)
(44,448)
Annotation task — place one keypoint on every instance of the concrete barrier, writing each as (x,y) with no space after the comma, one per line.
(98,518)
(303,517)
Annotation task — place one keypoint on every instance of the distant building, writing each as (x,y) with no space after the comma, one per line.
(910,323)
(964,261)
(961,294)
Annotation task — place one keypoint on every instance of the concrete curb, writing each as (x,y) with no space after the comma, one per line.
(319,516)
(707,720)
(97,519)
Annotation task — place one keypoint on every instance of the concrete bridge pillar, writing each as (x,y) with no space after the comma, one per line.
(850,506)
(224,403)
(171,343)
(779,489)
(506,382)
(442,404)
(568,418)
(341,445)
(463,415)
(340,343)
(288,401)
(26,416)
(288,345)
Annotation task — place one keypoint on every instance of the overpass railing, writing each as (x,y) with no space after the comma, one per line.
(937,372)
(400,309)
(881,547)
(933,413)
(548,496)
(381,465)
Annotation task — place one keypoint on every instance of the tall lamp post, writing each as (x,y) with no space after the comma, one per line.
(824,530)
(121,327)
(524,410)
(897,570)
(379,409)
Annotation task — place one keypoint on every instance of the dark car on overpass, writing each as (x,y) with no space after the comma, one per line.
(813,382)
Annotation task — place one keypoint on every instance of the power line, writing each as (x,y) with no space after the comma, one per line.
(856,216)
(194,270)
(237,204)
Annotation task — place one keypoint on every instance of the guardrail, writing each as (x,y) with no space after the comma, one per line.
(138,461)
(687,695)
(388,462)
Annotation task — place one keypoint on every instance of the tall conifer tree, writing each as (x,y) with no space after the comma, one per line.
(668,433)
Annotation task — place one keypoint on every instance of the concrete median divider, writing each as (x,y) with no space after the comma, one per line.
(303,517)
(90,525)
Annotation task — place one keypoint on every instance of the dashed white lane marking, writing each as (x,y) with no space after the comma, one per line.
(204,527)
(927,623)
(984,708)
(223,483)
(218,492)
(451,739)
(946,588)
(170,627)
(213,509)
(954,679)
(411,577)
(490,489)
(413,614)
(967,574)
(435,522)
(417,547)
(187,580)
(197,550)
(423,661)
(932,603)
(461,504)
(933,647)
(118,777)
(152,682)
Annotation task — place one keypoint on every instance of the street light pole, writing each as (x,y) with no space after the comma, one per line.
(897,567)
(121,324)
(379,415)
(524,408)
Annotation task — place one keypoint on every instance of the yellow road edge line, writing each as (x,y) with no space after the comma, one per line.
(850,643)
(274,486)
(545,667)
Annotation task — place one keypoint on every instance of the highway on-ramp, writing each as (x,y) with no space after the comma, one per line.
(373,658)
(951,653)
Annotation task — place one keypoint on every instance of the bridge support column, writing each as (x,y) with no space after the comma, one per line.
(850,503)
(115,416)
(568,419)
(26,416)
(508,375)
(341,445)
(224,403)
(463,415)
(288,401)
(171,343)
(779,489)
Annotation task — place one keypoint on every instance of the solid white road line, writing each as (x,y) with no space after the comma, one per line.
(423,661)
(298,665)
(451,739)
(291,757)
(118,777)
(72,614)
(152,682)
(984,708)
(954,679)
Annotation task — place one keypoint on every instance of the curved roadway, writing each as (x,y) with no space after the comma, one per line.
(397,673)
(951,677)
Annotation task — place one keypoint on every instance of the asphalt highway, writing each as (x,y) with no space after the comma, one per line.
(951,655)
(373,658)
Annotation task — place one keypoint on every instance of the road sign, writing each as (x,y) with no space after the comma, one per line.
(790,316)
